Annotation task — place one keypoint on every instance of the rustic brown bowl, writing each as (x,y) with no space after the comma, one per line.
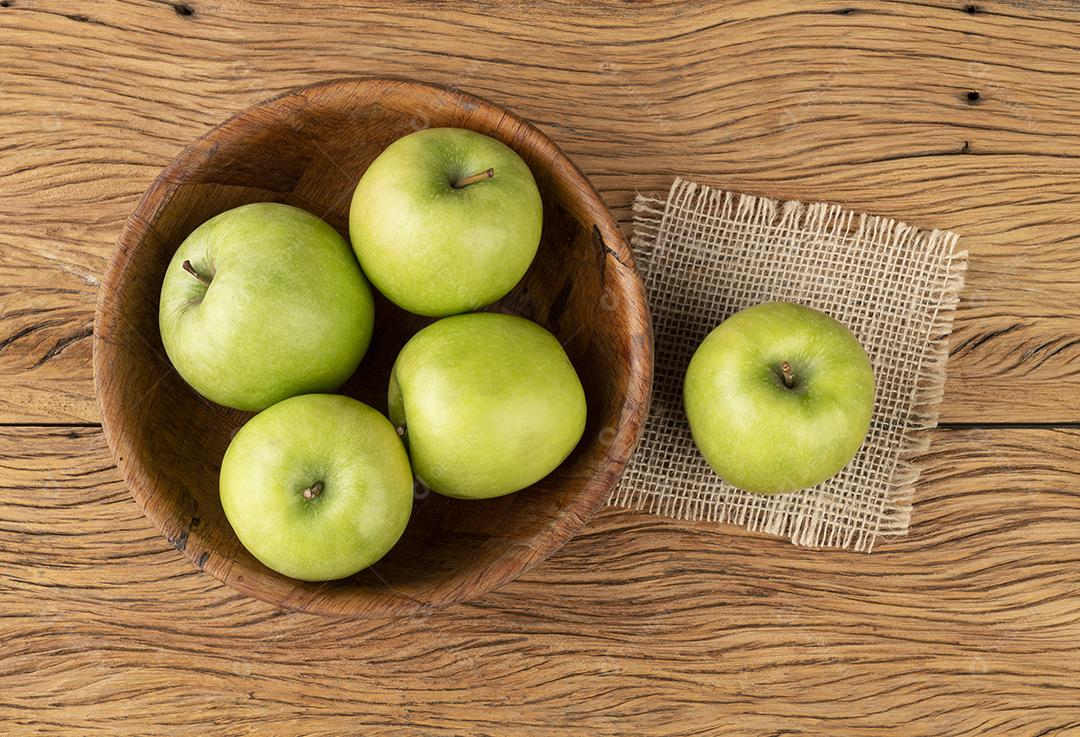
(308,148)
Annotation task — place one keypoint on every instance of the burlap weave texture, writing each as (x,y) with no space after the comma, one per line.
(704,254)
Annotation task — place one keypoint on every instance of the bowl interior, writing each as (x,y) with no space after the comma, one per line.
(308,148)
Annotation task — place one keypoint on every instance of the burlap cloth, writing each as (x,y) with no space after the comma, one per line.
(705,254)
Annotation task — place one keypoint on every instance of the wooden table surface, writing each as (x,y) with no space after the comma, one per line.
(947,115)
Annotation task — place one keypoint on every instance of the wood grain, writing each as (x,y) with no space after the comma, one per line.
(638,626)
(864,104)
(969,626)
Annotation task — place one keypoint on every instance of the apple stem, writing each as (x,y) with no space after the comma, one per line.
(465,182)
(785,370)
(313,491)
(191,270)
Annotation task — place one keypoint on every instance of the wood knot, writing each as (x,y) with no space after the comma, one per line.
(183,10)
(973,97)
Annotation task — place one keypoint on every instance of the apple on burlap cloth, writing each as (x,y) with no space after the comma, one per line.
(705,254)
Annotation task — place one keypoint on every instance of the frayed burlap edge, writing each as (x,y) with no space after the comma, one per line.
(827,220)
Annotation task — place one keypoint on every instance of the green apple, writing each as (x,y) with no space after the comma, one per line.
(779,397)
(264,302)
(488,403)
(445,220)
(317,487)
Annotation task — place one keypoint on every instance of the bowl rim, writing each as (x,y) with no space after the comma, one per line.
(597,489)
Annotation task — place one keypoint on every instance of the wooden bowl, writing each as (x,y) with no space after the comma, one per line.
(308,148)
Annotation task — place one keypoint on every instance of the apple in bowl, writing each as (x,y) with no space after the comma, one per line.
(488,404)
(264,302)
(445,220)
(317,487)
